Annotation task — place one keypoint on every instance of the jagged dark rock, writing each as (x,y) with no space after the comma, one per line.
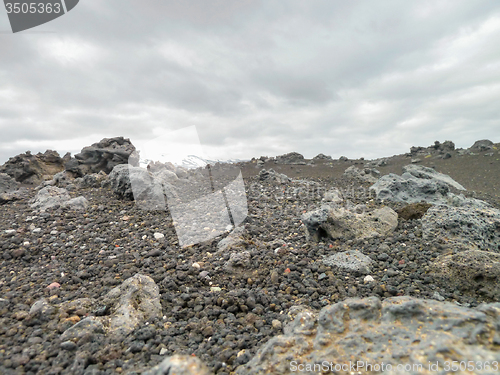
(32,169)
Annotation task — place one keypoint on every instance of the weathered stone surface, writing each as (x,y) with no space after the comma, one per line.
(413,211)
(482,145)
(88,326)
(102,156)
(470,226)
(130,304)
(48,197)
(322,157)
(30,169)
(397,331)
(333,195)
(179,365)
(351,260)
(366,175)
(471,272)
(419,171)
(78,203)
(290,158)
(234,241)
(409,189)
(340,223)
(15,195)
(7,183)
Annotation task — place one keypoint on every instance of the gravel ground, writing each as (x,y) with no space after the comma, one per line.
(219,313)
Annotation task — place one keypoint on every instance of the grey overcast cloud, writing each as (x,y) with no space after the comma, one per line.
(353,78)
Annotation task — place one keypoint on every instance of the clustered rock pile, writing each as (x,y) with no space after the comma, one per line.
(403,271)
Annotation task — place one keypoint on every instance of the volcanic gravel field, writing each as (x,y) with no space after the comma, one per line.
(213,309)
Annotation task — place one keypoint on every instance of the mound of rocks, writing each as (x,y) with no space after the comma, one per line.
(102,156)
(341,223)
(272,175)
(290,158)
(366,175)
(482,145)
(444,149)
(404,334)
(322,157)
(32,169)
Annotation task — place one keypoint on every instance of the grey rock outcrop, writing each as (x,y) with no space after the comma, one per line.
(365,175)
(472,272)
(351,260)
(290,158)
(31,169)
(419,171)
(15,195)
(399,332)
(410,189)
(340,223)
(322,157)
(482,145)
(49,197)
(470,226)
(102,156)
(7,183)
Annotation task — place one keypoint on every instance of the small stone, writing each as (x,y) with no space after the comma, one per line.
(274,277)
(68,345)
(54,285)
(196,265)
(276,324)
(159,235)
(215,289)
(368,279)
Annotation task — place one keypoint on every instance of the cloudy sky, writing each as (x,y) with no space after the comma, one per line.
(354,78)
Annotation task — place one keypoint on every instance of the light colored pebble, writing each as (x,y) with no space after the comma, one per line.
(368,279)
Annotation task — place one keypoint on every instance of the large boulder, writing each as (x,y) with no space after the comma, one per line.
(419,171)
(102,156)
(340,223)
(482,145)
(272,175)
(7,183)
(472,272)
(31,169)
(405,335)
(470,226)
(410,189)
(290,158)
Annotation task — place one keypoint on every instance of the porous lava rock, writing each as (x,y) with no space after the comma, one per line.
(362,175)
(102,156)
(419,171)
(413,211)
(31,169)
(403,333)
(471,272)
(470,226)
(341,223)
(179,365)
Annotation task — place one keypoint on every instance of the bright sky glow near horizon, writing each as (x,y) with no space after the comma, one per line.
(353,78)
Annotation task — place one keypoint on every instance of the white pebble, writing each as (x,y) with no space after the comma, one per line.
(368,279)
(37,230)
(53,232)
(159,235)
(195,265)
